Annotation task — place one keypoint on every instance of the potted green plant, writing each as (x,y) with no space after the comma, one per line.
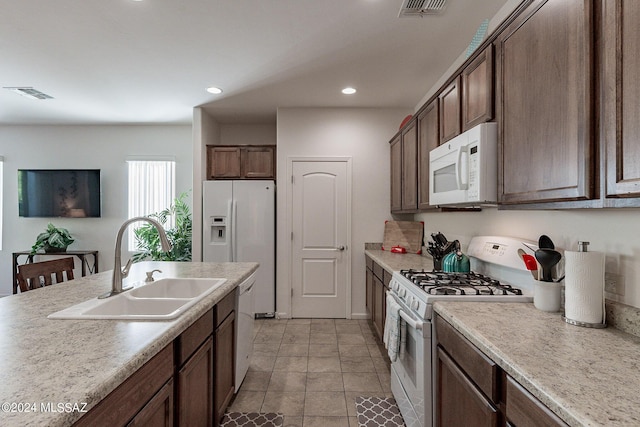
(53,239)
(148,240)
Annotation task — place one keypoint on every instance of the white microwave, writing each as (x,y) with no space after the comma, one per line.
(464,170)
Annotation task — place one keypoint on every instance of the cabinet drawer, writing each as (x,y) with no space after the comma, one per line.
(378,271)
(482,370)
(368,262)
(225,307)
(123,403)
(194,336)
(524,410)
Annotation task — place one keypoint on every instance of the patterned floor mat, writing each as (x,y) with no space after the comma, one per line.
(251,419)
(377,412)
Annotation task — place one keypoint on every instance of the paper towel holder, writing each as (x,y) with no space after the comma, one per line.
(582,247)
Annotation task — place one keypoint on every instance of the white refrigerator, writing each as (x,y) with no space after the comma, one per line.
(239,226)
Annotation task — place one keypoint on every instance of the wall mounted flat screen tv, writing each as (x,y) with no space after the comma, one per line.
(70,193)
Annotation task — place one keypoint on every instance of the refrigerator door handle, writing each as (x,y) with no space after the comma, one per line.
(234,231)
(230,230)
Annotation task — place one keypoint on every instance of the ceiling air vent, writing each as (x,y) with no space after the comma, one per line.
(421,7)
(29,92)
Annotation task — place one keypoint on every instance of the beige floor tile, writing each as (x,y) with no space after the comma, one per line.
(326,422)
(370,339)
(385,381)
(297,329)
(256,381)
(377,350)
(286,403)
(323,321)
(324,381)
(291,364)
(348,350)
(357,364)
(273,327)
(268,337)
(325,404)
(247,401)
(352,339)
(262,363)
(323,327)
(323,350)
(289,421)
(291,338)
(324,364)
(323,338)
(361,381)
(299,322)
(353,422)
(288,381)
(381,365)
(266,349)
(293,350)
(348,328)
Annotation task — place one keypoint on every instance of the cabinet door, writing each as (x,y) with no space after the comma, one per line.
(369,291)
(458,401)
(396,174)
(195,388)
(223,162)
(379,306)
(477,90)
(410,168)
(258,162)
(428,139)
(158,412)
(524,410)
(224,366)
(544,82)
(449,101)
(620,93)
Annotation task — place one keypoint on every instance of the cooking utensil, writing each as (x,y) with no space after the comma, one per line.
(547,258)
(529,262)
(545,242)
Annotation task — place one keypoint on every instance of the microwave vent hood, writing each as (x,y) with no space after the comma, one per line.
(420,8)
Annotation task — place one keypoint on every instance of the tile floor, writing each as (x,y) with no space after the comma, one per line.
(311,371)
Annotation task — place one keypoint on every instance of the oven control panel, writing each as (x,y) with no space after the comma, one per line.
(501,250)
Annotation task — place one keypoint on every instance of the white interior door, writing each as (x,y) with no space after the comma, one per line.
(320,237)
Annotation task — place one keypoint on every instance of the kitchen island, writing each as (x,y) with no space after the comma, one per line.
(53,371)
(588,377)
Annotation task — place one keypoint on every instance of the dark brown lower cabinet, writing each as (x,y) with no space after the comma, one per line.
(158,412)
(473,391)
(195,388)
(460,402)
(224,350)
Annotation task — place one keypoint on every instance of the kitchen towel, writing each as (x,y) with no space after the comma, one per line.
(584,287)
(391,336)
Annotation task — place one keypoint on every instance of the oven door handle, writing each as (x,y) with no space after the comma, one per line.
(414,323)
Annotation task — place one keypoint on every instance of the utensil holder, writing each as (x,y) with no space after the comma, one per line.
(547,296)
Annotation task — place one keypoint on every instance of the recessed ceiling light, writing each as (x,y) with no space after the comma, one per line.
(348,91)
(214,90)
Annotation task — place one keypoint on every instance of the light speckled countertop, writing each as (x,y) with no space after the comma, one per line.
(82,361)
(394,262)
(588,377)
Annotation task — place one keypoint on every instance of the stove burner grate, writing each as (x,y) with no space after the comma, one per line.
(441,283)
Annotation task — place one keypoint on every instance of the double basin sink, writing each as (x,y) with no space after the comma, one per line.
(162,299)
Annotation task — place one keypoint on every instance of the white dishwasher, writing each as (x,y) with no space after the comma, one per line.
(245,318)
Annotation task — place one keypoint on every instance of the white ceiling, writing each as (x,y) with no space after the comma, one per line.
(121,61)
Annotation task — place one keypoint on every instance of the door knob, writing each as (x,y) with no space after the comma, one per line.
(341,248)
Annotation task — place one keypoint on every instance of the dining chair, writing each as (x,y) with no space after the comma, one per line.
(38,274)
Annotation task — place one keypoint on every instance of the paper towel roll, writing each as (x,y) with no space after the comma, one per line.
(584,287)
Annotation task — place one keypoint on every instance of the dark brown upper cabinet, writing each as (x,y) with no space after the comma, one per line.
(544,62)
(241,162)
(449,104)
(410,167)
(396,173)
(477,90)
(428,139)
(620,93)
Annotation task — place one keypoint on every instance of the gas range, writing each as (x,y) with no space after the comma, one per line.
(418,289)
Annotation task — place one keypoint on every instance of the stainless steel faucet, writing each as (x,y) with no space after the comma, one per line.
(120,273)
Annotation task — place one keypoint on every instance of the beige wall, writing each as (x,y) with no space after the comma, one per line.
(362,134)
